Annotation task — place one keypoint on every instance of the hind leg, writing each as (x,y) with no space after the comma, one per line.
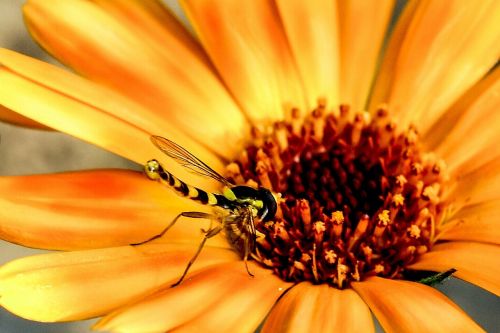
(209,234)
(193,215)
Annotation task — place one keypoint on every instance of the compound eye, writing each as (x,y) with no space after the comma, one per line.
(270,204)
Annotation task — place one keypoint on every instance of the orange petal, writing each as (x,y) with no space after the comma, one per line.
(363,25)
(403,306)
(447,47)
(249,302)
(251,53)
(222,298)
(480,119)
(476,263)
(309,308)
(14,118)
(155,21)
(92,209)
(311,29)
(87,111)
(482,184)
(479,222)
(385,77)
(152,64)
(77,285)
(436,135)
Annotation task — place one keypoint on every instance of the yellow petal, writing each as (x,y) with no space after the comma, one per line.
(77,285)
(403,306)
(248,46)
(311,29)
(480,119)
(88,111)
(14,118)
(448,46)
(222,298)
(309,308)
(363,25)
(476,263)
(92,209)
(479,222)
(159,70)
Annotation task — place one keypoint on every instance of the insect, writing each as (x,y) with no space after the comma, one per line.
(240,205)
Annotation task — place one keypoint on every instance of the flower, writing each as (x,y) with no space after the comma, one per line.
(410,185)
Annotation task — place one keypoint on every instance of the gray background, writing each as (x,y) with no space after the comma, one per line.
(25,151)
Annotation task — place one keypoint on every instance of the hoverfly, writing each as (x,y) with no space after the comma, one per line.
(240,204)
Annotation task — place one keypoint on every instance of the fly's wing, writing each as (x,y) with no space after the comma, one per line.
(186,159)
(251,230)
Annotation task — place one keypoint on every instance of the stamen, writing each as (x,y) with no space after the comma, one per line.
(360,230)
(338,220)
(305,214)
(342,271)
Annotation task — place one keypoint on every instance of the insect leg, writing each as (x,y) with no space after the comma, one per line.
(210,233)
(245,257)
(249,240)
(193,215)
(209,227)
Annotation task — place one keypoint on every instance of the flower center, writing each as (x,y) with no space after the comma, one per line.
(359,198)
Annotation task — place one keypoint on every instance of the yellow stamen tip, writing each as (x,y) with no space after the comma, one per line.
(330,256)
(383,218)
(338,217)
(305,257)
(414,231)
(401,180)
(319,227)
(398,200)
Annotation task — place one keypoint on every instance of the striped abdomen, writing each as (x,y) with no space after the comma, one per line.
(155,171)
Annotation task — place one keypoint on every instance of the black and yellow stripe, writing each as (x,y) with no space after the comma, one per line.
(155,171)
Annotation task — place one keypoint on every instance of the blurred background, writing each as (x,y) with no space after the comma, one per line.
(25,151)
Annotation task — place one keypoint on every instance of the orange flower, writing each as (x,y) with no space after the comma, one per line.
(368,196)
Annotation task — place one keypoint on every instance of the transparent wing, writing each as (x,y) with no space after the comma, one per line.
(251,231)
(186,159)
(245,232)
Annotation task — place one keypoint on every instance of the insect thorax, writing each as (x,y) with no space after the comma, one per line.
(261,201)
